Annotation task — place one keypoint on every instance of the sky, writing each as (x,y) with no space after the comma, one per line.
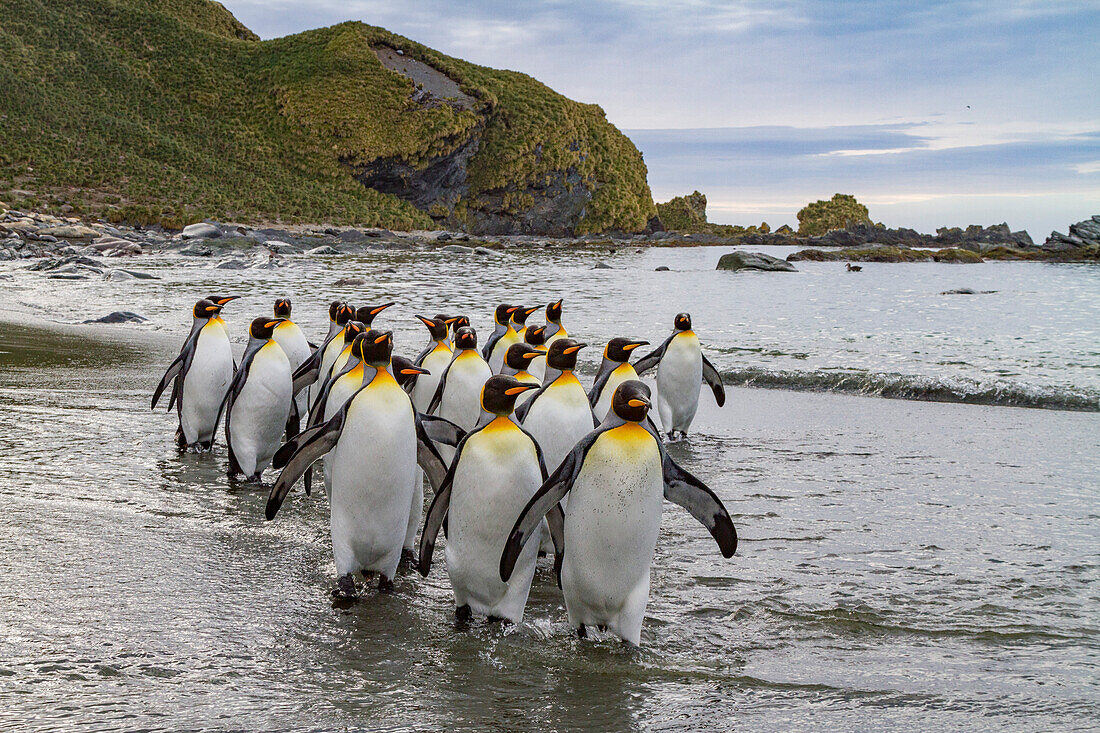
(931,113)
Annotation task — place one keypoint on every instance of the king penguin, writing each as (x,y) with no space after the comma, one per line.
(615,478)
(320,362)
(518,320)
(435,357)
(681,369)
(366,314)
(295,345)
(559,415)
(375,442)
(258,405)
(536,336)
(516,363)
(496,470)
(554,329)
(502,337)
(458,396)
(614,370)
(200,376)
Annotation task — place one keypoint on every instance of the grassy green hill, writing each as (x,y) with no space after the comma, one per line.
(171,110)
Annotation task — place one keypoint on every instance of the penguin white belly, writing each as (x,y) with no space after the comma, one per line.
(497,474)
(537,369)
(558,419)
(679,379)
(372,478)
(611,527)
(341,392)
(461,399)
(296,346)
(435,362)
(333,350)
(260,411)
(500,348)
(416,511)
(205,384)
(621,374)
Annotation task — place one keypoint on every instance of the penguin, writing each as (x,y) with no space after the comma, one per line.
(458,396)
(681,368)
(453,324)
(615,479)
(554,329)
(408,374)
(366,314)
(351,330)
(516,363)
(502,337)
(496,470)
(290,336)
(374,443)
(518,320)
(333,326)
(200,376)
(536,336)
(434,357)
(258,406)
(559,415)
(614,370)
(314,370)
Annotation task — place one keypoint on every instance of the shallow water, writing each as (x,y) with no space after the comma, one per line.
(902,563)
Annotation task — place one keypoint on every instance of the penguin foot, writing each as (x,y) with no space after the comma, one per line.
(601,627)
(345,588)
(181,442)
(582,633)
(499,620)
(368,575)
(408,557)
(385,585)
(463,613)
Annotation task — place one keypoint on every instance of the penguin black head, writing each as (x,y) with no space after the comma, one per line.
(465,338)
(206,309)
(553,311)
(631,400)
(535,335)
(367,313)
(221,299)
(377,348)
(437,326)
(499,394)
(263,328)
(458,322)
(344,313)
(503,313)
(333,308)
(353,329)
(520,314)
(282,308)
(519,356)
(405,372)
(357,346)
(562,354)
(682,322)
(618,349)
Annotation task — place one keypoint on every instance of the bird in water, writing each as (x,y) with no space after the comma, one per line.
(199,376)
(616,478)
(681,369)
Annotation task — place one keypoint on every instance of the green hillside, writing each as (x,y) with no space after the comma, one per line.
(172,111)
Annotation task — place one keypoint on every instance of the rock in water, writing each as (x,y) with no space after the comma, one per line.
(119,317)
(754,261)
(202,230)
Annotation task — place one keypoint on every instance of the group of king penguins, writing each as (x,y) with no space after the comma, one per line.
(521,458)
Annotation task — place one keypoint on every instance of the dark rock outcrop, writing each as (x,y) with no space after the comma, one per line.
(1082,234)
(753,261)
(971,238)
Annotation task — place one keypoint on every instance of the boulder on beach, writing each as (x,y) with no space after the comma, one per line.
(201,230)
(324,249)
(753,261)
(70,231)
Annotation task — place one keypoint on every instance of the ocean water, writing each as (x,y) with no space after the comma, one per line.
(904,563)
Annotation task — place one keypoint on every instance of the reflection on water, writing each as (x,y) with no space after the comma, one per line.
(930,564)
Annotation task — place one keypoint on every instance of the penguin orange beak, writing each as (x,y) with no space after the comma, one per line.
(223,301)
(426,321)
(379,309)
(273,324)
(531,355)
(529,311)
(573,349)
(410,371)
(635,344)
(520,389)
(637,402)
(381,338)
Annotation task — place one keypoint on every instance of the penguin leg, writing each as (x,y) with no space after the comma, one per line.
(385,585)
(463,612)
(368,575)
(582,633)
(345,587)
(181,442)
(408,557)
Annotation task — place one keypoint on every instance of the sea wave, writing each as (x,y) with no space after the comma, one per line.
(911,387)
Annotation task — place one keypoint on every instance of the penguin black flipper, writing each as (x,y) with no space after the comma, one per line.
(177,370)
(487,349)
(428,458)
(293,420)
(714,379)
(308,451)
(438,396)
(317,409)
(312,346)
(653,358)
(437,512)
(286,450)
(441,430)
(692,494)
(522,410)
(424,353)
(598,384)
(544,501)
